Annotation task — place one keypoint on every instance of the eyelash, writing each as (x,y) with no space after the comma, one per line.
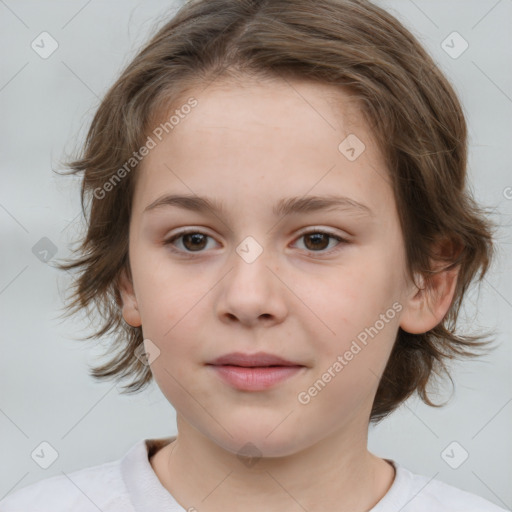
(342,241)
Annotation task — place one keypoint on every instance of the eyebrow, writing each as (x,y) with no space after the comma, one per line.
(286,206)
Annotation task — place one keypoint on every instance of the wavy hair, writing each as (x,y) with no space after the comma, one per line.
(409,105)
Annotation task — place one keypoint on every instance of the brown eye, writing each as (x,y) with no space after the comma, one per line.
(194,241)
(317,241)
(191,241)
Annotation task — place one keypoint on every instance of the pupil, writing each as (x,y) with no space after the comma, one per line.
(194,237)
(318,237)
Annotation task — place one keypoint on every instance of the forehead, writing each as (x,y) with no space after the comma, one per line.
(276,104)
(256,137)
(301,109)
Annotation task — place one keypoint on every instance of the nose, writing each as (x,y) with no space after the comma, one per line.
(253,291)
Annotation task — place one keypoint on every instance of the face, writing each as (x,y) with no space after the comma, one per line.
(259,271)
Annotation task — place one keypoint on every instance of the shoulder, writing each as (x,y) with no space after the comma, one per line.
(420,493)
(87,490)
(450,498)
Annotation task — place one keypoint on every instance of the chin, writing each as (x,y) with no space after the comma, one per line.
(254,443)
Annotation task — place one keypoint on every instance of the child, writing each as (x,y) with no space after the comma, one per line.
(316,155)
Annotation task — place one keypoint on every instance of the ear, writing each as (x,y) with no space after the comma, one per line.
(130,307)
(426,307)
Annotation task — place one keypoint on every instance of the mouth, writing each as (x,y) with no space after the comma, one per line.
(255,378)
(257,360)
(254,372)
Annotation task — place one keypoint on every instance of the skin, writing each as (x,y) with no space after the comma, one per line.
(249,145)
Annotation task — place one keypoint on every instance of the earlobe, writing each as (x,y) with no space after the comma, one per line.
(130,308)
(427,307)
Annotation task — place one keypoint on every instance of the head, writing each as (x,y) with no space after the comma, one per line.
(250,104)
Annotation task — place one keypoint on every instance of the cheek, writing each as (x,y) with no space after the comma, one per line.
(353,296)
(172,325)
(173,305)
(351,361)
(359,311)
(164,294)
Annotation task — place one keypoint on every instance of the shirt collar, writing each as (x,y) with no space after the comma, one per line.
(145,490)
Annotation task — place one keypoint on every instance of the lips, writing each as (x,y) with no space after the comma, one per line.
(257,360)
(254,372)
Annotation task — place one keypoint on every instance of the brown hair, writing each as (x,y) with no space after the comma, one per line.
(409,105)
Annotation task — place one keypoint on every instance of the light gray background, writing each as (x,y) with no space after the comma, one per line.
(46,106)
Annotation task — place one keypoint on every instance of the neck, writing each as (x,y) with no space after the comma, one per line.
(337,473)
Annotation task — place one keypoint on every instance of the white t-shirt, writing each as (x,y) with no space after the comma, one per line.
(131,485)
